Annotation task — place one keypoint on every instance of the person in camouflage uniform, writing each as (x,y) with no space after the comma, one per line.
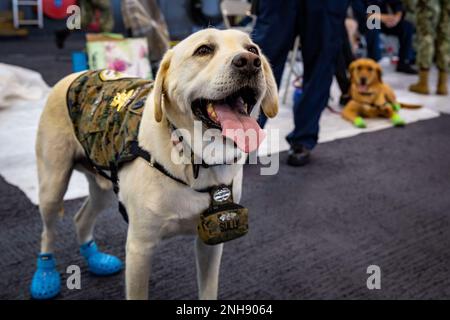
(433,35)
(106,110)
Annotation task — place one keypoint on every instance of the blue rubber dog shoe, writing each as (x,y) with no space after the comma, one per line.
(99,263)
(46,283)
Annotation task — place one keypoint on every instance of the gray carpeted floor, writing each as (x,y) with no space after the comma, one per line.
(379,198)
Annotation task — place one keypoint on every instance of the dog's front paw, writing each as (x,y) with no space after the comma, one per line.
(359,123)
(397,120)
(46,282)
(99,263)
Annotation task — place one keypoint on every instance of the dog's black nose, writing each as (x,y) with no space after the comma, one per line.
(363,81)
(246,62)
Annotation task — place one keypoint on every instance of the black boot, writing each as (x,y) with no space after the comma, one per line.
(406,68)
(298,156)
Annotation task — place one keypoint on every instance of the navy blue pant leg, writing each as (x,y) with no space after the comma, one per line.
(275,31)
(372,36)
(321,33)
(373,42)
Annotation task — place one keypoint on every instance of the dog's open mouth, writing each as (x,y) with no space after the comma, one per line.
(232,116)
(241,102)
(363,88)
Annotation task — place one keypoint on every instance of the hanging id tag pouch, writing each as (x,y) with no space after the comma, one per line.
(224,220)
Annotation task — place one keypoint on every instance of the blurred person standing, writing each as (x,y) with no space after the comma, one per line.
(320,26)
(143,18)
(433,41)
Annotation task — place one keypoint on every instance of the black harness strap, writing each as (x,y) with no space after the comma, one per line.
(139,152)
(123,212)
(144,154)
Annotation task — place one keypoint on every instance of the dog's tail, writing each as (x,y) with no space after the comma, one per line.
(410,106)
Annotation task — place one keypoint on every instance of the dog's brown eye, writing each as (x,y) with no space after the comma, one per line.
(253,50)
(370,69)
(204,50)
(359,68)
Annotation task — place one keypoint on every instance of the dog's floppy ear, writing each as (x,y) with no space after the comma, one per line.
(269,103)
(159,84)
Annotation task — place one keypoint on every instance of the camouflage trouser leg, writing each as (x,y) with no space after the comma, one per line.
(443,37)
(433,29)
(106,14)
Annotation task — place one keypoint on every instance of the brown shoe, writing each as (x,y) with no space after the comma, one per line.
(421,86)
(442,84)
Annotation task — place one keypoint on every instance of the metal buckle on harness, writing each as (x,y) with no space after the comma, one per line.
(151,162)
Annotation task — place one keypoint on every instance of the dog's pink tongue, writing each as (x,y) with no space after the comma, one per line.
(363,88)
(241,128)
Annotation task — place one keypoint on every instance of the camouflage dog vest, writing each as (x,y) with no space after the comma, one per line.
(106,110)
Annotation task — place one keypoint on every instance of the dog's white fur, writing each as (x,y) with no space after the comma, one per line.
(158,207)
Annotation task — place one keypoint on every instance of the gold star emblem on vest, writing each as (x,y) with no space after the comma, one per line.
(121,99)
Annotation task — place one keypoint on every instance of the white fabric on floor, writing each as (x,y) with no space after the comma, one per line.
(20,114)
(22,97)
(18,84)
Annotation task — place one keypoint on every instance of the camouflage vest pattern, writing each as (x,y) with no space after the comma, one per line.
(106,109)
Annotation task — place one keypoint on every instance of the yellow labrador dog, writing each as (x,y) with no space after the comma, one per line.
(217,78)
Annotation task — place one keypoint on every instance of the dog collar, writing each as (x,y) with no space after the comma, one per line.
(366,93)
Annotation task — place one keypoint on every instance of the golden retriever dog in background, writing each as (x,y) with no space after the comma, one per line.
(370,97)
(222,70)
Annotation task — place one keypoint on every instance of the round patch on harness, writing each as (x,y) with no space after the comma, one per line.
(222,194)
